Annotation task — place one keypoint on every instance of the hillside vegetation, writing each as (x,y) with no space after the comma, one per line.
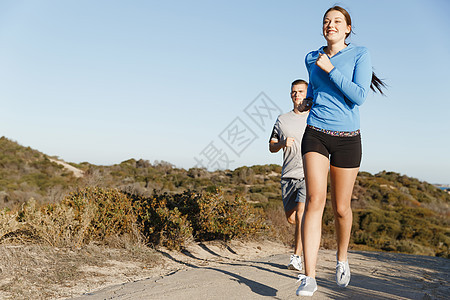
(164,205)
(26,173)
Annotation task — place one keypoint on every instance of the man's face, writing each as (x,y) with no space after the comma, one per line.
(298,93)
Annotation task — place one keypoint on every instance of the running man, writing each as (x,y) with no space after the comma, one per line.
(287,134)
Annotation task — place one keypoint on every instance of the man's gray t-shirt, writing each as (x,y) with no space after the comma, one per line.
(291,125)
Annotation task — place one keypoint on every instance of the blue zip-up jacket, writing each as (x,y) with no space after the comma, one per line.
(337,95)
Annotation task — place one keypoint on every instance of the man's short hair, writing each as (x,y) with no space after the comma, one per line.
(299,81)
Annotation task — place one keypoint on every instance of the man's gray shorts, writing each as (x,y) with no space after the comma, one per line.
(293,191)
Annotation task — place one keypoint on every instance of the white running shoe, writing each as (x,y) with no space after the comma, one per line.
(295,263)
(307,286)
(342,273)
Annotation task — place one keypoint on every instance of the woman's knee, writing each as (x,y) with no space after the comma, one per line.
(315,203)
(342,211)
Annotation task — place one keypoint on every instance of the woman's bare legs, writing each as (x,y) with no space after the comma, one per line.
(342,182)
(316,172)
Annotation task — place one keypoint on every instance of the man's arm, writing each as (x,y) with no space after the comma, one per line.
(275,146)
(274,141)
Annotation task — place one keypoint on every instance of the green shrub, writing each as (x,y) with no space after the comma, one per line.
(160,224)
(171,220)
(396,228)
(257,197)
(224,217)
(113,211)
(91,214)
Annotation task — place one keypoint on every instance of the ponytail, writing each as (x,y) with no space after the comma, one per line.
(377,85)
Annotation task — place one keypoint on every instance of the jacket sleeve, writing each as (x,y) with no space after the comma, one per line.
(309,91)
(356,89)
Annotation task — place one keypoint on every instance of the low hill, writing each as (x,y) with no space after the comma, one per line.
(27,173)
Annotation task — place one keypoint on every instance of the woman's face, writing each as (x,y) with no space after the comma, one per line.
(335,27)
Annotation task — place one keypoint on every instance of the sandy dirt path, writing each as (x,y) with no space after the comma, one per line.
(76,172)
(252,271)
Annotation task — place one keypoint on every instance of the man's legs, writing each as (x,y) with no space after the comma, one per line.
(294,193)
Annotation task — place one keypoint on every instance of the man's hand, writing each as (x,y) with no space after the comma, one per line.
(324,63)
(288,141)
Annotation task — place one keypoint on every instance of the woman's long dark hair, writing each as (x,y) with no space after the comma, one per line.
(377,85)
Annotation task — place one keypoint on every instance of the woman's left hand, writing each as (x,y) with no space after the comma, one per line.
(324,63)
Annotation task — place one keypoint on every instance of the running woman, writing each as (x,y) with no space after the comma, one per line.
(340,76)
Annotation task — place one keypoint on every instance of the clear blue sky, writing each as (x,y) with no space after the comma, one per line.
(105,81)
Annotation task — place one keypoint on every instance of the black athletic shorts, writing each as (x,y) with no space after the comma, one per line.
(343,152)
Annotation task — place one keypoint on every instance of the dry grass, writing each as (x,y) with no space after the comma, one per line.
(281,230)
(8,222)
(90,215)
(284,232)
(59,228)
(58,250)
(88,240)
(43,272)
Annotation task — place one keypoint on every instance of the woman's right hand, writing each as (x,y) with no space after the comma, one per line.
(324,63)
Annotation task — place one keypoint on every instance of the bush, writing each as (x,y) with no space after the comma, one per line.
(259,198)
(398,228)
(55,225)
(225,217)
(161,225)
(171,220)
(97,214)
(113,212)
(91,214)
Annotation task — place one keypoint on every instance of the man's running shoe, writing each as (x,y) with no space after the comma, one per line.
(295,263)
